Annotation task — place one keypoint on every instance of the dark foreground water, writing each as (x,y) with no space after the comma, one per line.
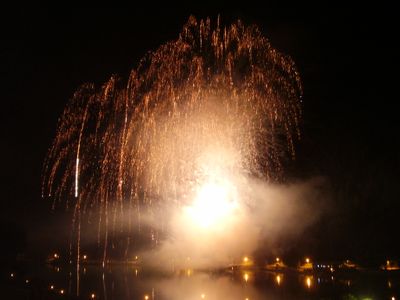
(122,282)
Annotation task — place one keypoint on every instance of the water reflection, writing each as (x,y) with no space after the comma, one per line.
(246,276)
(278,279)
(308,281)
(131,282)
(204,286)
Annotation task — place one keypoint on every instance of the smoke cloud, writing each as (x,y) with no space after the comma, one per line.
(273,213)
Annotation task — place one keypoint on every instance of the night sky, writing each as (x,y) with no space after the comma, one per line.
(349,67)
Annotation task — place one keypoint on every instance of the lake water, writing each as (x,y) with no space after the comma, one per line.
(122,282)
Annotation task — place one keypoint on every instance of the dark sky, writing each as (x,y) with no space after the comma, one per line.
(349,67)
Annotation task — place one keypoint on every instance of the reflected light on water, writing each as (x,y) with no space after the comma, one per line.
(308,281)
(278,279)
(241,284)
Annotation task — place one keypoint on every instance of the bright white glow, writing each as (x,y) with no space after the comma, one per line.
(213,203)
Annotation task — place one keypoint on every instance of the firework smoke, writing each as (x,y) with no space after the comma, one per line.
(277,213)
(217,106)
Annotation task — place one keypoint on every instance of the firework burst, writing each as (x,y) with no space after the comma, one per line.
(218,102)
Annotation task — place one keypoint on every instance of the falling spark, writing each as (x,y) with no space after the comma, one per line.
(76,177)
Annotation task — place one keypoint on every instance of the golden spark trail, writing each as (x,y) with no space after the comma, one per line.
(76,177)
